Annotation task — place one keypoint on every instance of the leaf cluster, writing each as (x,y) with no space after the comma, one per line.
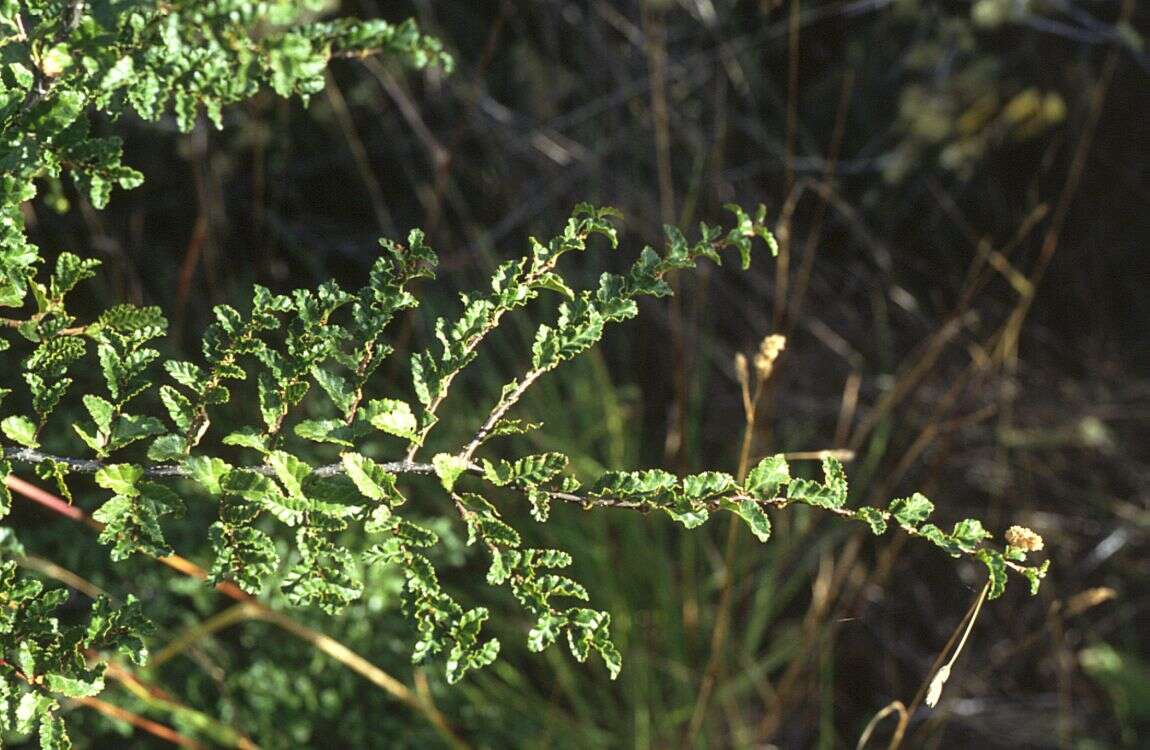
(306,363)
(43,661)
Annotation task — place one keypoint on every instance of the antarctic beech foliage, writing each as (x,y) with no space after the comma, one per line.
(294,376)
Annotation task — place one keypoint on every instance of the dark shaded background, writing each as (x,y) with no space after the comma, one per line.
(963,287)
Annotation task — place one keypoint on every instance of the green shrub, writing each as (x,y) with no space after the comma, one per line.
(93,400)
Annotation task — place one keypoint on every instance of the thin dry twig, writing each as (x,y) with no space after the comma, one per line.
(154,728)
(887,710)
(961,630)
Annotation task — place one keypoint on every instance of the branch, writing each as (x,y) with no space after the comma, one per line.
(471,344)
(716,503)
(91,466)
(153,728)
(500,410)
(158,698)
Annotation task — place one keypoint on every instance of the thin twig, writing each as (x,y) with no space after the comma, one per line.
(154,728)
(59,573)
(499,411)
(962,629)
(62,507)
(888,709)
(161,700)
(236,613)
(91,466)
(467,348)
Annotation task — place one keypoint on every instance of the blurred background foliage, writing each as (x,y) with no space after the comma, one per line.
(962,193)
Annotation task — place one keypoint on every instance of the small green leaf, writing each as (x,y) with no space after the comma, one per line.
(831,493)
(996,567)
(119,628)
(53,733)
(498,533)
(20,430)
(185,373)
(940,539)
(547,629)
(248,485)
(448,468)
(1035,576)
(553,282)
(810,492)
(529,470)
(968,534)
(73,687)
(326,431)
(168,448)
(873,517)
(179,407)
(337,388)
(763,481)
(835,479)
(754,514)
(208,472)
(101,412)
(511,427)
(707,484)
(128,428)
(632,483)
(689,515)
(415,535)
(120,478)
(393,417)
(243,554)
(247,438)
(911,511)
(371,479)
(540,503)
(290,471)
(5,493)
(611,657)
